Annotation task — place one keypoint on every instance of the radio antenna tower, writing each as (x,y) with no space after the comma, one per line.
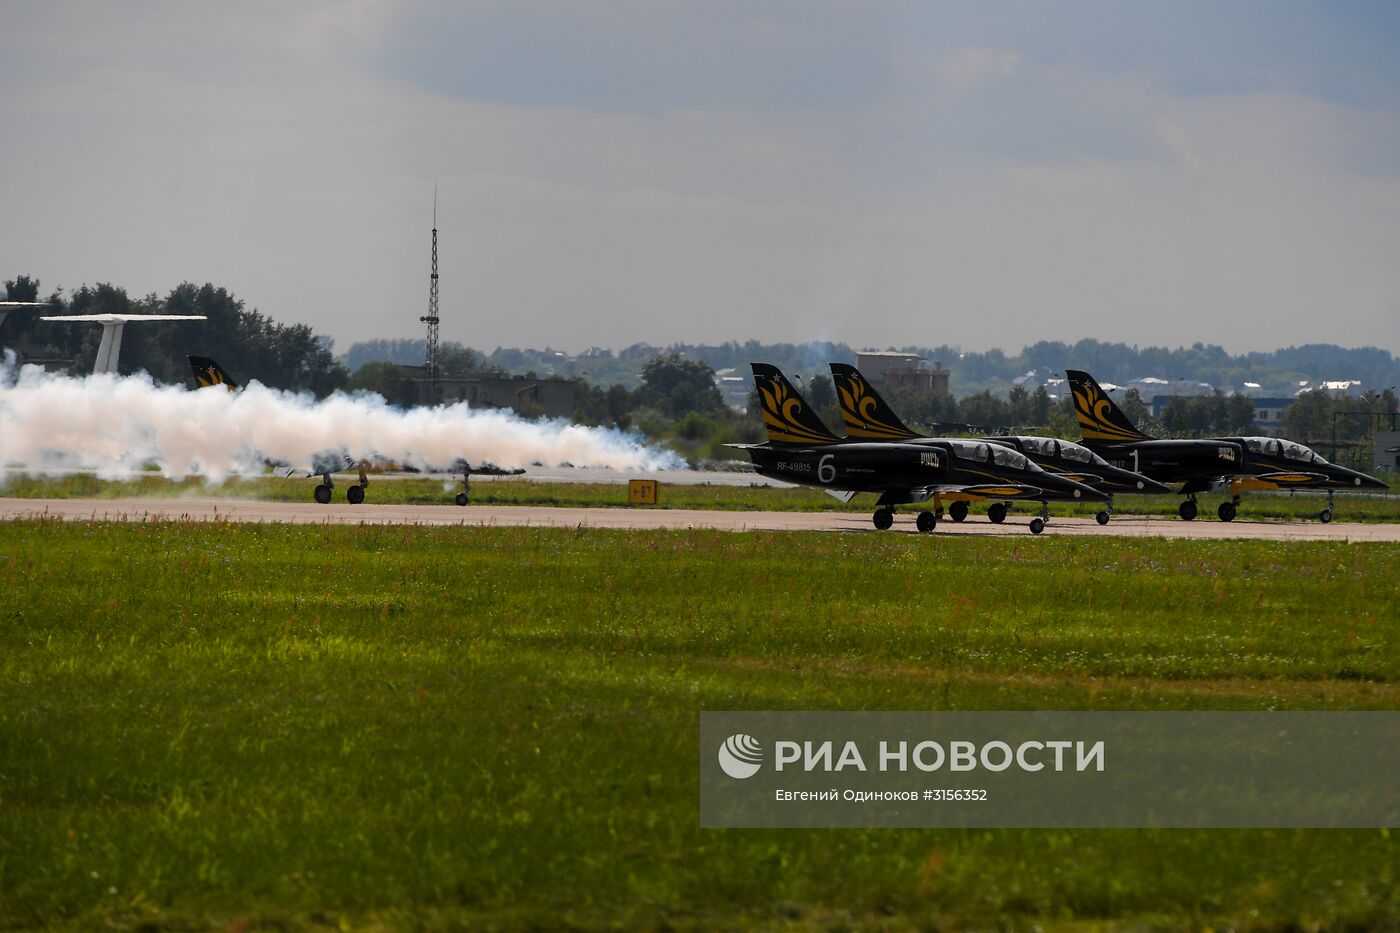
(430,363)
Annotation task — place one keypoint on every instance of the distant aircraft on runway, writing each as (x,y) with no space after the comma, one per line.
(800,449)
(1224,464)
(868,417)
(109,350)
(209,373)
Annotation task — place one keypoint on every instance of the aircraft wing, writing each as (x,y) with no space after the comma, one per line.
(123,318)
(992,491)
(1292,478)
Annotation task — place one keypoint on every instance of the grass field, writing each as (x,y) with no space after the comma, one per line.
(296,726)
(1281,506)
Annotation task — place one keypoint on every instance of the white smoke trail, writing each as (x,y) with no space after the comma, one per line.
(115,425)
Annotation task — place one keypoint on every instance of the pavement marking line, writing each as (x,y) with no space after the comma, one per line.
(235,510)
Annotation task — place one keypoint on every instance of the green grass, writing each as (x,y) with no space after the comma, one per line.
(1256,506)
(290,726)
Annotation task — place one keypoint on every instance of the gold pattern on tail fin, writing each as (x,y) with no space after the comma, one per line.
(860,410)
(1099,419)
(782,410)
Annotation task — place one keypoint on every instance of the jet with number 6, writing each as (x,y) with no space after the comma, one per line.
(801,450)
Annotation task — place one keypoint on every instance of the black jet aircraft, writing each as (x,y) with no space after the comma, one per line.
(1225,464)
(869,417)
(800,449)
(209,373)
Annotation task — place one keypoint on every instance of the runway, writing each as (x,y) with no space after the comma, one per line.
(234,510)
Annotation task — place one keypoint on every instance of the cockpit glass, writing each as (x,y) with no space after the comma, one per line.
(1005,456)
(1318,458)
(1039,445)
(1076,453)
(968,450)
(1297,452)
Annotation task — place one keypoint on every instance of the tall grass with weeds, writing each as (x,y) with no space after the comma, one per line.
(299,726)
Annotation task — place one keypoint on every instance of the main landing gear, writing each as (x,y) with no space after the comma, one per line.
(925,521)
(1188,509)
(465,495)
(1106,513)
(958,511)
(997,512)
(1228,510)
(353,495)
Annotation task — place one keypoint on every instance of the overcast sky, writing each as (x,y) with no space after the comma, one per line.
(878,173)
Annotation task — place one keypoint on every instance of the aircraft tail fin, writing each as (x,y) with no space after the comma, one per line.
(866,415)
(787,417)
(209,373)
(1099,418)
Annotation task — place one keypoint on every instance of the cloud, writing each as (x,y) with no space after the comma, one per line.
(670,173)
(974,67)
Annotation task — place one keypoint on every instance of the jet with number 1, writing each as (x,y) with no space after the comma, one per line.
(801,450)
(1219,464)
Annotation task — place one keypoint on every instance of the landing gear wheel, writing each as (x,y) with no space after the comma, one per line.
(1103,517)
(926,522)
(883,518)
(1226,511)
(1187,510)
(461,498)
(355,495)
(1326,516)
(997,513)
(957,511)
(1037,525)
(323,494)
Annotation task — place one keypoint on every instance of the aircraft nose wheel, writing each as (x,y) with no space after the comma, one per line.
(1326,516)
(1187,510)
(958,511)
(883,518)
(1037,525)
(997,512)
(461,498)
(926,522)
(323,494)
(1103,517)
(1226,511)
(355,495)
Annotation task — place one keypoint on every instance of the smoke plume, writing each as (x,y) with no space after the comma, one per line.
(115,425)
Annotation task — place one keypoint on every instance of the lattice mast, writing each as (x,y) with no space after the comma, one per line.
(430,363)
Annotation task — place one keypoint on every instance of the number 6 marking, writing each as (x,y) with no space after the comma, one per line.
(826,470)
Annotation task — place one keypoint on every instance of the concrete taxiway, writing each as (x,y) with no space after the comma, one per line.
(235,510)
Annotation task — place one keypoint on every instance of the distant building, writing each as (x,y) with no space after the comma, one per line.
(892,370)
(1268,414)
(549,396)
(733,388)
